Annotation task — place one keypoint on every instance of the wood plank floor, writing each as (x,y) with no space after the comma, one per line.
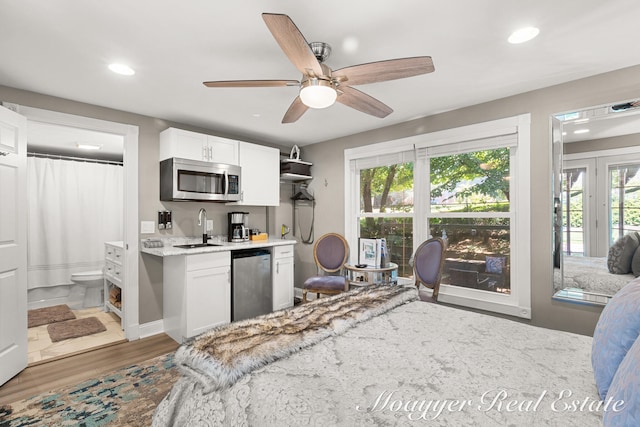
(74,369)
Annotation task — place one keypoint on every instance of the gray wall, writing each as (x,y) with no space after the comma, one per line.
(328,172)
(328,182)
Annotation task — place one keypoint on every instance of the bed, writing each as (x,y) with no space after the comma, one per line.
(590,274)
(394,365)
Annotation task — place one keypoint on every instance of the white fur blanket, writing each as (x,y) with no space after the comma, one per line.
(219,357)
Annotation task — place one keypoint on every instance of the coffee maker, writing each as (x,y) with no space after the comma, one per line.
(238,230)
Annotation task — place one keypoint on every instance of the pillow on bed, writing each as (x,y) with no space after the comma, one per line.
(616,331)
(494,264)
(625,387)
(635,263)
(621,253)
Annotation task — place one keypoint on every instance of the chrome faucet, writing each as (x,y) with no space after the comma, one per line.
(203,224)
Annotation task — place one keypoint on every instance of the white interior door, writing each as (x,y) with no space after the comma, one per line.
(13,244)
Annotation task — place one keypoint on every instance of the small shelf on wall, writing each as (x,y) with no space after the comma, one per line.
(295,170)
(294,177)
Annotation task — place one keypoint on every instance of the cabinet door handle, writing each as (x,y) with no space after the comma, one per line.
(277,267)
(204,153)
(210,153)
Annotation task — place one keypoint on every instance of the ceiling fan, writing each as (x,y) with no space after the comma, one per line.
(320,86)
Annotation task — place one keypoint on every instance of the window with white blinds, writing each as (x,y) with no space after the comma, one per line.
(469,185)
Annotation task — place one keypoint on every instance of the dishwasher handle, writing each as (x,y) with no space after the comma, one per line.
(244,253)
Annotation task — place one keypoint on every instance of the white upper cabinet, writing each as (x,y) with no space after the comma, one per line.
(197,146)
(260,175)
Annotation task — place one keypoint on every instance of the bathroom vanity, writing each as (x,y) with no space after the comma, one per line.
(197,282)
(114,279)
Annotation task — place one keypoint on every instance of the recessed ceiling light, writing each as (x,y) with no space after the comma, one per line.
(84,146)
(123,69)
(579,131)
(350,44)
(523,35)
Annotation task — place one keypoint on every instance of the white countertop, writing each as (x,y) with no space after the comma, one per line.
(170,250)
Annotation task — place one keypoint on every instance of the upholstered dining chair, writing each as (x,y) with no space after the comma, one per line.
(427,266)
(330,254)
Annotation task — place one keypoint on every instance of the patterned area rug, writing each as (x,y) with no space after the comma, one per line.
(75,328)
(126,397)
(45,315)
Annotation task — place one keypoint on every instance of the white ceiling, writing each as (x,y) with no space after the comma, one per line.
(62,48)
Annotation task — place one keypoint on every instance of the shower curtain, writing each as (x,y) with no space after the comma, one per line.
(74,207)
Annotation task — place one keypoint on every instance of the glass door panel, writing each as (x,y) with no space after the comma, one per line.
(573,211)
(624,200)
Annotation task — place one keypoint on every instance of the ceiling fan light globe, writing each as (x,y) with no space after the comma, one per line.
(318,94)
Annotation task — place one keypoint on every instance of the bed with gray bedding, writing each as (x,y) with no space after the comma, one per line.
(417,361)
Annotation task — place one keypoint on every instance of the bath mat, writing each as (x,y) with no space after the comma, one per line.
(75,328)
(43,316)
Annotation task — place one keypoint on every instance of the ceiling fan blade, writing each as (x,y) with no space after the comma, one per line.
(252,83)
(295,111)
(293,43)
(362,102)
(381,71)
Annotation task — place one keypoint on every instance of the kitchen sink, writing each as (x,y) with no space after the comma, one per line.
(196,245)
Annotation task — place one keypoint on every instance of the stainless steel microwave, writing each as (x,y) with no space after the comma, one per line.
(185,179)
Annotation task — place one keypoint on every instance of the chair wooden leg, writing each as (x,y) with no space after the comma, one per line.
(304,296)
(318,295)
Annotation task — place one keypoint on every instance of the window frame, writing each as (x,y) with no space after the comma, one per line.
(518,303)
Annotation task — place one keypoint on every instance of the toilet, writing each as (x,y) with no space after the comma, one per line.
(88,288)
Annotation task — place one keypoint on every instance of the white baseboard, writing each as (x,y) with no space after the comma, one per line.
(151,328)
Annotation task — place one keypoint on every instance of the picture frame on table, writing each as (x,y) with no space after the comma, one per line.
(368,252)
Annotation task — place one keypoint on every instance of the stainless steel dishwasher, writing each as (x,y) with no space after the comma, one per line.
(251,287)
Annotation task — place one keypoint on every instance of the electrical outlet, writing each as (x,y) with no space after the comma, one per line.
(147,227)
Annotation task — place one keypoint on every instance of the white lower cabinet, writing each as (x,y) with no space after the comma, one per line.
(282,277)
(196,293)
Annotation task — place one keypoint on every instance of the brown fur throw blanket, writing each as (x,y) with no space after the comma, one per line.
(219,357)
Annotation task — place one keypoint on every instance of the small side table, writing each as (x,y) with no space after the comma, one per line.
(371,275)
